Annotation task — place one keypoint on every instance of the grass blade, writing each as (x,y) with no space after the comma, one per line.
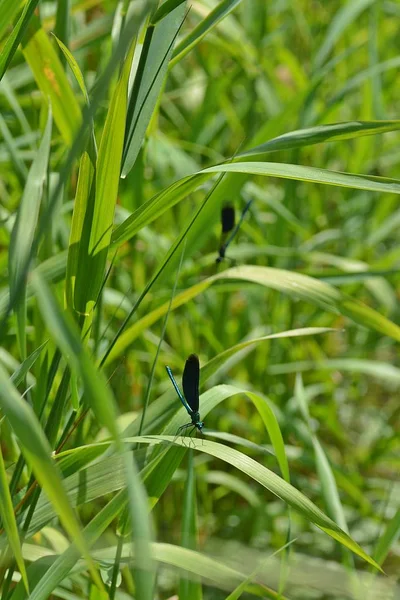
(24,230)
(9,523)
(38,455)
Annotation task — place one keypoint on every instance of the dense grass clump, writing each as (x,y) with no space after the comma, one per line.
(125,129)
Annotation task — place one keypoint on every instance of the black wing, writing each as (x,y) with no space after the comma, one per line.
(190,382)
(227,218)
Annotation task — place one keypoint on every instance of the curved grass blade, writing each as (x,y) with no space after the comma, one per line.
(274,484)
(322,133)
(296,285)
(312,175)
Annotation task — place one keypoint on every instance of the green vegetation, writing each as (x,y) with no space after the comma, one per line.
(124,128)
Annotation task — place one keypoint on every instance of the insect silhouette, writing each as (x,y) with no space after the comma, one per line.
(190,397)
(229,227)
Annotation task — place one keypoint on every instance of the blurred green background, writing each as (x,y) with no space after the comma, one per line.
(110,230)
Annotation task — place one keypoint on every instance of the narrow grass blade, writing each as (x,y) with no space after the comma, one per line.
(322,133)
(342,19)
(328,484)
(100,398)
(152,209)
(59,569)
(52,270)
(317,292)
(37,452)
(19,165)
(65,334)
(75,293)
(217,361)
(241,588)
(194,37)
(274,484)
(296,285)
(9,523)
(73,65)
(189,589)
(155,207)
(24,231)
(312,175)
(18,31)
(19,375)
(387,538)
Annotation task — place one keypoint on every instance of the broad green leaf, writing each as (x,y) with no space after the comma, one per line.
(9,523)
(96,219)
(8,10)
(60,568)
(202,565)
(77,248)
(52,81)
(152,68)
(197,563)
(87,483)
